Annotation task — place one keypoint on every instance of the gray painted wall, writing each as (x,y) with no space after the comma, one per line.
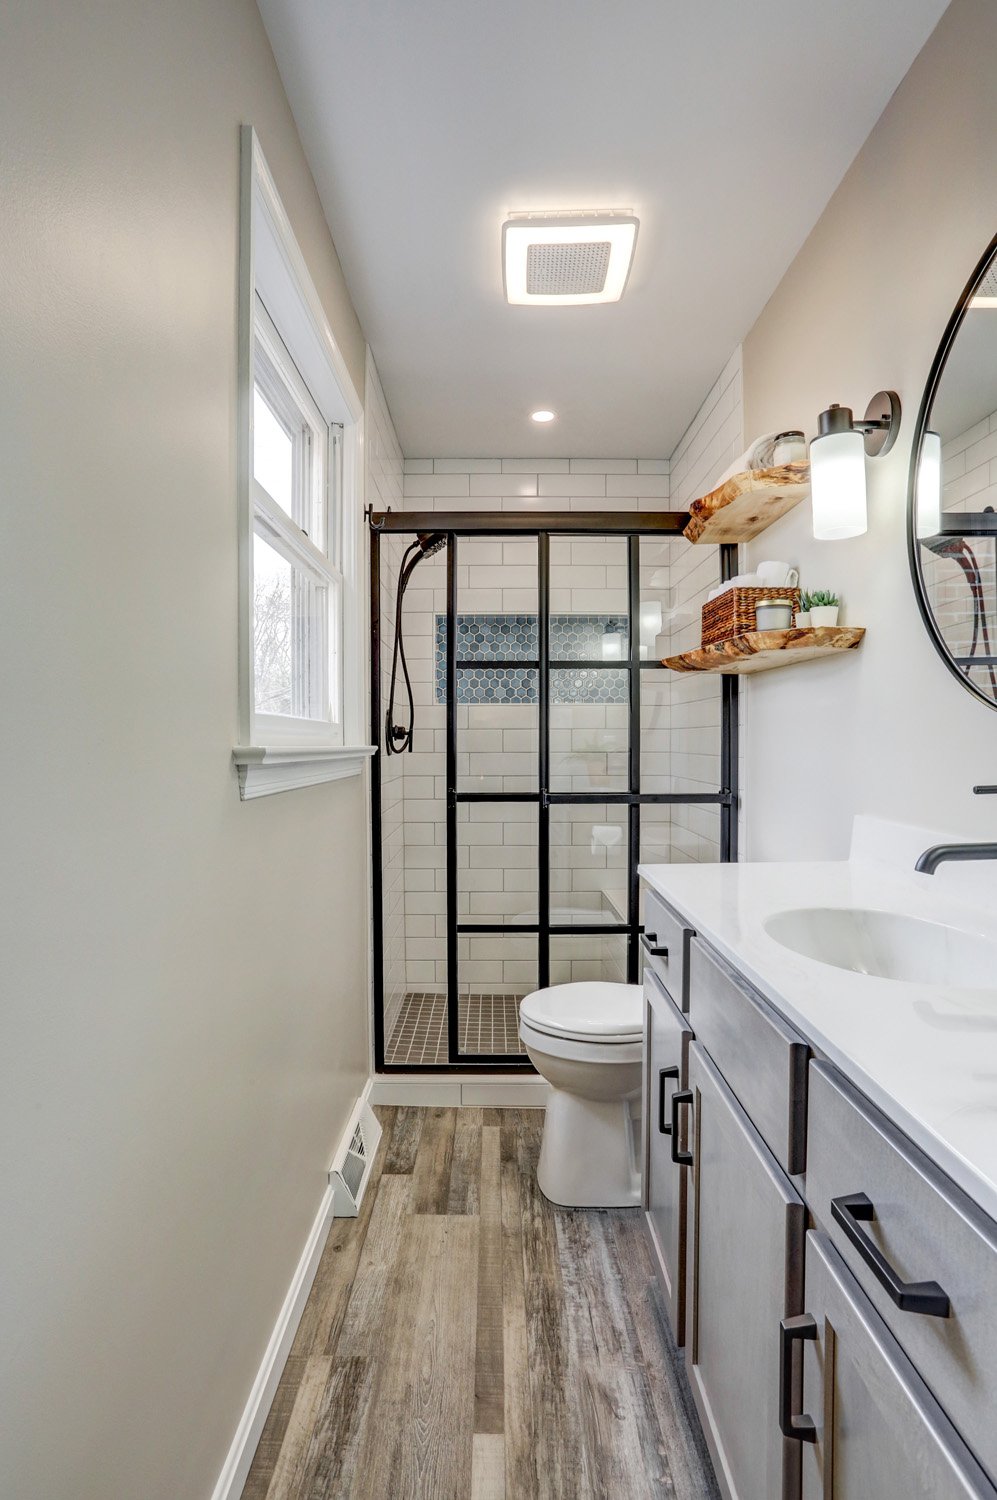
(183,1027)
(863,306)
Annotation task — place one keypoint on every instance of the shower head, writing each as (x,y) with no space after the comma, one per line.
(431,542)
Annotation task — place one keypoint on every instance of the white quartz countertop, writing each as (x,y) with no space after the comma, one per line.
(927,1056)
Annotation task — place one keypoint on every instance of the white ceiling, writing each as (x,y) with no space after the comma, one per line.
(724,125)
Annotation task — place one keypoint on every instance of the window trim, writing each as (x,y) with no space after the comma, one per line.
(275,753)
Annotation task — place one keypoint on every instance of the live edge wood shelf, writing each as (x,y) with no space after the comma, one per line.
(764,650)
(746,504)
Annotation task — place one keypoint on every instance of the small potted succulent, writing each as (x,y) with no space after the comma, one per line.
(823,608)
(803,613)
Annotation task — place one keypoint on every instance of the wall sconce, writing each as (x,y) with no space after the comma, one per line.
(928,490)
(651,623)
(837,464)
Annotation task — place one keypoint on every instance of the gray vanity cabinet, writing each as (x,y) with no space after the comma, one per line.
(668,1035)
(745,1276)
(878,1430)
(918,1229)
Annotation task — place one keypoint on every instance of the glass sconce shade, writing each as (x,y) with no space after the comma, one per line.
(837,485)
(651,622)
(928,503)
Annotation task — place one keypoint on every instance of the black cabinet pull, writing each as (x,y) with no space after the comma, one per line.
(792,1330)
(855,1209)
(680,1158)
(663,1074)
(649,943)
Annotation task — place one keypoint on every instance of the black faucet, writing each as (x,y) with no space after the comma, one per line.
(940,854)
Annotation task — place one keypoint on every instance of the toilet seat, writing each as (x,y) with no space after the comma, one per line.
(594,1050)
(586,1012)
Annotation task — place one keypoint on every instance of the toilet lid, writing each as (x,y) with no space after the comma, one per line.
(592,1009)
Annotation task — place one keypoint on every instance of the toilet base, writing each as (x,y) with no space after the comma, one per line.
(588,1158)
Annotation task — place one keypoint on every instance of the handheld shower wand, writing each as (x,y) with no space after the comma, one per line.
(398,737)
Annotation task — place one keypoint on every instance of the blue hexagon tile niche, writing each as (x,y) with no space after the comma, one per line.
(490,640)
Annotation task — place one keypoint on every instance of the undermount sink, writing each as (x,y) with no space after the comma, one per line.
(888,945)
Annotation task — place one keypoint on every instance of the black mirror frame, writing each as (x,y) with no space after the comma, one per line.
(927,401)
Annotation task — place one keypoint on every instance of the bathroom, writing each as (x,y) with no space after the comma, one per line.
(591,1094)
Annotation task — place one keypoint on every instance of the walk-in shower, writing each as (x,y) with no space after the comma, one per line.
(550,754)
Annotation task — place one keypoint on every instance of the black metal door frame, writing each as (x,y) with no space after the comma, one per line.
(632,526)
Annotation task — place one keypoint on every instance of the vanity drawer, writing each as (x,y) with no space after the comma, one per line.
(924,1229)
(763,1060)
(665,946)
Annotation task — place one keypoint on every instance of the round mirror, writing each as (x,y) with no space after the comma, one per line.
(952,521)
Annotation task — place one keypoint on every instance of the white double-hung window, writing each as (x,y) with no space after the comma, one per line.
(297,581)
(301,435)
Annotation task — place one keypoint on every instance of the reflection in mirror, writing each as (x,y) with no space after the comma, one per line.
(955,493)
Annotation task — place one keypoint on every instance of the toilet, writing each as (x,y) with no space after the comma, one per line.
(586,1039)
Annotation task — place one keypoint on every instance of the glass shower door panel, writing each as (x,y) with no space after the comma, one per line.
(587,956)
(589,599)
(589,731)
(495,970)
(498,730)
(497,856)
(680,718)
(588,863)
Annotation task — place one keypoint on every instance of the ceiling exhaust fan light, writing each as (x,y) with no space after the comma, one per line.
(567,260)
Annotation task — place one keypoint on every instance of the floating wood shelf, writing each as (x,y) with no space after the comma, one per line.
(746,504)
(763,650)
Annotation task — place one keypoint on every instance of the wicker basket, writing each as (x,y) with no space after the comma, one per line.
(733,612)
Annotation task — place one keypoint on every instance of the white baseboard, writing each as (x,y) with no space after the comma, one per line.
(235,1469)
(455,1089)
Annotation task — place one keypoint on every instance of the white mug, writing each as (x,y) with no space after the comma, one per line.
(777,575)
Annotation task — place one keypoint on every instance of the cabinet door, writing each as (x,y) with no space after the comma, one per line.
(878,1430)
(667,1037)
(746,1275)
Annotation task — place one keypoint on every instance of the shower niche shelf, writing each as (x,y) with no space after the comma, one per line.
(765,650)
(747,504)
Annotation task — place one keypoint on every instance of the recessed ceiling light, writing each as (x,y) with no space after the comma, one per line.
(543,416)
(567,260)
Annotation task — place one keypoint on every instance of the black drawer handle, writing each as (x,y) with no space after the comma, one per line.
(680,1158)
(663,1075)
(855,1209)
(649,943)
(792,1330)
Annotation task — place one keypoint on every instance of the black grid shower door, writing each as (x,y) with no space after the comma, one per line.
(544,798)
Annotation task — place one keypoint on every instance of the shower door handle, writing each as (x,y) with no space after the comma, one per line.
(663,1075)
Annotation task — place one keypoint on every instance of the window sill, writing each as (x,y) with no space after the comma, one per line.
(266,769)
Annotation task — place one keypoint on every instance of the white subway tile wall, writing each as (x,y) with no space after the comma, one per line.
(712,441)
(384,488)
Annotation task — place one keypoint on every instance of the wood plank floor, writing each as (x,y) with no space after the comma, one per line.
(464,1340)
